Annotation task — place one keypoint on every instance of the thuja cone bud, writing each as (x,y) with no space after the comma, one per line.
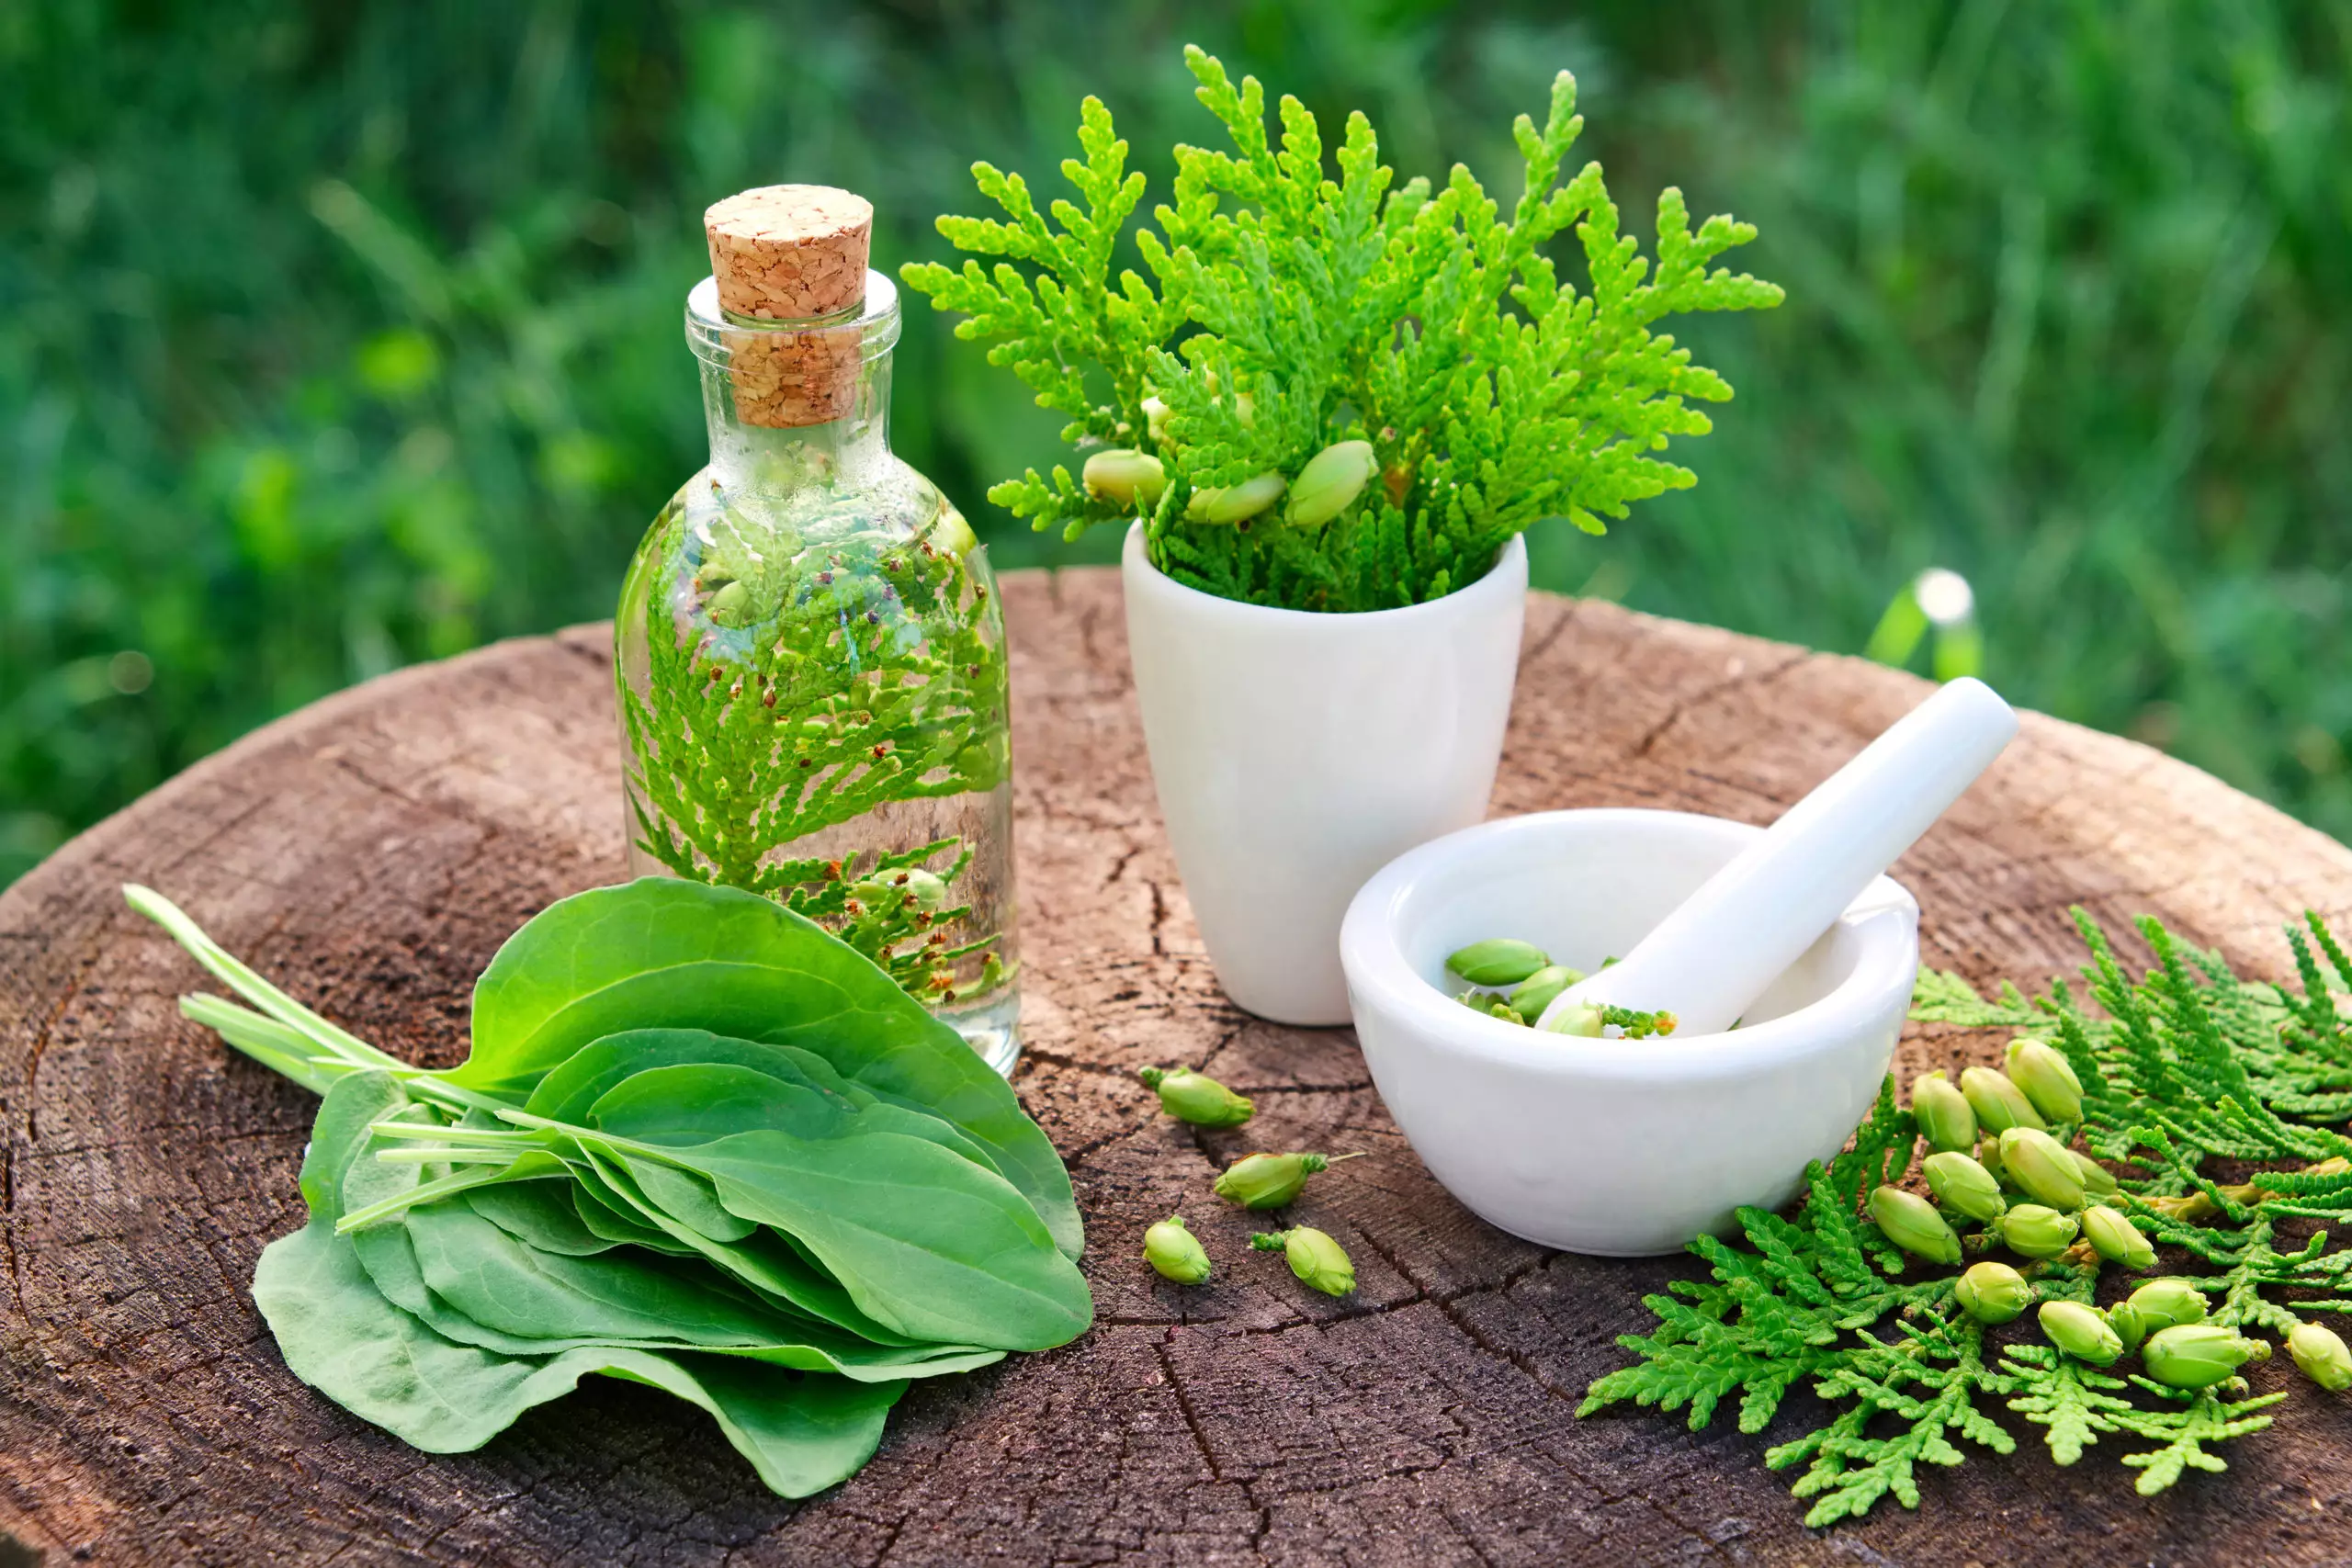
(1175,1252)
(2165,1303)
(2035,1230)
(1189,1097)
(2129,1326)
(2039,1166)
(1497,961)
(1580,1019)
(1329,483)
(1123,478)
(2079,1331)
(1155,420)
(1964,1186)
(1238,504)
(2321,1355)
(731,607)
(2116,1238)
(1912,1223)
(1988,1155)
(2098,1180)
(2199,1355)
(1268,1181)
(1532,995)
(1999,1104)
(1993,1292)
(1315,1257)
(2047,1078)
(1946,1119)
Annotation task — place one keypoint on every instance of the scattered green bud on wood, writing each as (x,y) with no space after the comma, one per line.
(1174,1253)
(1329,483)
(1126,478)
(1993,1292)
(2036,1231)
(2321,1353)
(2080,1331)
(2046,1078)
(1532,995)
(1497,961)
(2199,1355)
(2165,1303)
(1238,503)
(1190,1096)
(2039,1165)
(1964,1186)
(2129,1326)
(1946,1119)
(2114,1237)
(1268,1181)
(1912,1223)
(1315,1257)
(2098,1180)
(1999,1104)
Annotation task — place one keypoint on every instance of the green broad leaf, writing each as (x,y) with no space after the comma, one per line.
(660,952)
(801,1432)
(798,1102)
(540,1213)
(927,1242)
(764,1262)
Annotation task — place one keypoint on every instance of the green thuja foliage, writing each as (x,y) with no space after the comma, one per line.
(1287,310)
(2187,1069)
(816,695)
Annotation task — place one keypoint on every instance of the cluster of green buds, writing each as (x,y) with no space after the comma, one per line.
(1517,982)
(1175,1253)
(1320,1262)
(1193,1096)
(1271,1181)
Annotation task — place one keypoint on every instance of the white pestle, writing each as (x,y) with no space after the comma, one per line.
(1724,944)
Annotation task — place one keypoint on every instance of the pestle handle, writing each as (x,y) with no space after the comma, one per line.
(1718,951)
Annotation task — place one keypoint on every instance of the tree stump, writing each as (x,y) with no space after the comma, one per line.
(370,851)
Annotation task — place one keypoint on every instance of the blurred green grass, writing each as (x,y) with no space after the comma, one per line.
(337,336)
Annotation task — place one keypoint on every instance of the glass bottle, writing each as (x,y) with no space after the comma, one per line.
(809,648)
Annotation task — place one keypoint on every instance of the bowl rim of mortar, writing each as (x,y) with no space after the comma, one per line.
(1883,918)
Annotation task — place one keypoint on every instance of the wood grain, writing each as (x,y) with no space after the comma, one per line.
(370,851)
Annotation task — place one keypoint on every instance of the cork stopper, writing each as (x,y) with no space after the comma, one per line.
(787,254)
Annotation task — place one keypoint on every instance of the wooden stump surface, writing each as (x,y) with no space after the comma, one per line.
(370,851)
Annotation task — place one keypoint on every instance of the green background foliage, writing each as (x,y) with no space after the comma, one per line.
(333,337)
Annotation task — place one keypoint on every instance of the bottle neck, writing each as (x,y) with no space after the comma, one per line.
(751,458)
(791,403)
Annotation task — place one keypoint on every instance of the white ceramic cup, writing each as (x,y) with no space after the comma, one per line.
(1615,1147)
(1295,753)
